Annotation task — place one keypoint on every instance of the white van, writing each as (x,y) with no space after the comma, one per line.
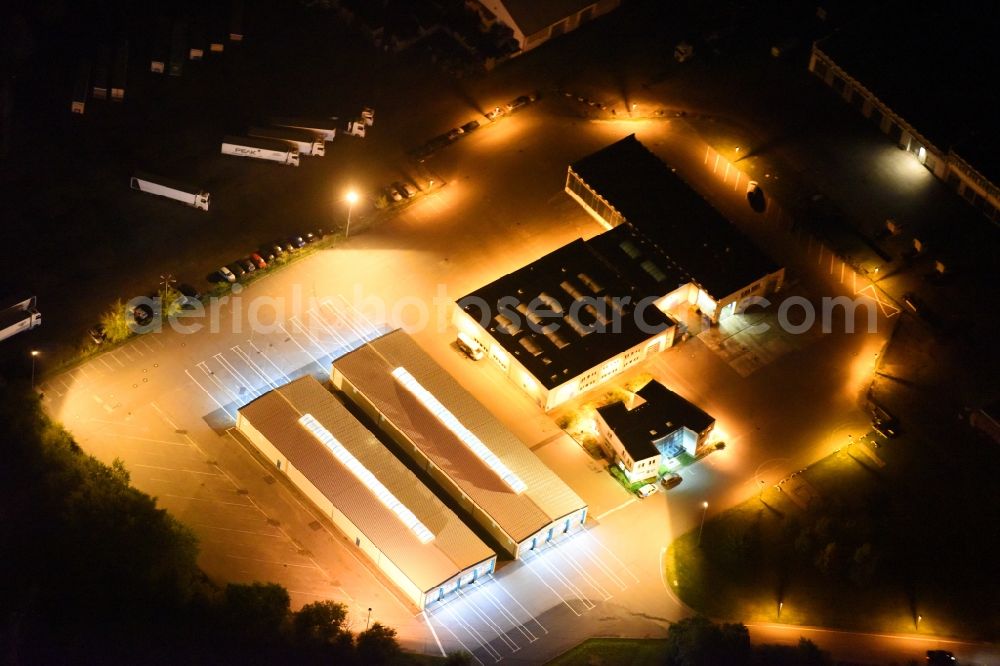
(471,348)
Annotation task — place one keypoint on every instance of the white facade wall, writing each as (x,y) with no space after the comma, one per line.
(389,568)
(549,399)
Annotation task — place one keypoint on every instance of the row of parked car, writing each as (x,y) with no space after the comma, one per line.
(268,252)
(398,191)
(456,133)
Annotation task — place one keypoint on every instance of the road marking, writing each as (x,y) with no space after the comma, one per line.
(479,638)
(612,554)
(254,367)
(561,597)
(174,469)
(233,529)
(214,501)
(430,626)
(148,439)
(517,624)
(257,559)
(620,506)
(106,364)
(304,350)
(497,629)
(240,379)
(273,364)
(207,392)
(516,601)
(219,384)
(461,642)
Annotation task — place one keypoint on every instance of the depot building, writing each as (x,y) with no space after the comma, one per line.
(417,542)
(625,184)
(465,450)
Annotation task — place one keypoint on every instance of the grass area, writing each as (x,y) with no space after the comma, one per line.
(865,547)
(617,651)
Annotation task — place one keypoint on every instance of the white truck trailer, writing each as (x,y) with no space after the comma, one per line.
(327,127)
(272,150)
(81,89)
(309,143)
(22,315)
(164,187)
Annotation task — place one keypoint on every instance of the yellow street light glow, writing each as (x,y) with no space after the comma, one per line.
(704,505)
(351,197)
(35,352)
(481,451)
(381,492)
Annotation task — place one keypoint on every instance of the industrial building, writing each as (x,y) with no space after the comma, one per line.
(565,323)
(534,23)
(626,184)
(373,498)
(591,309)
(901,68)
(653,426)
(464,449)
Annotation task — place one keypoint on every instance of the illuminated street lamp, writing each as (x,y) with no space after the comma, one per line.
(368,621)
(34,353)
(704,510)
(351,198)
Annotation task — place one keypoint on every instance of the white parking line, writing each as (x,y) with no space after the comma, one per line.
(497,629)
(254,367)
(534,619)
(207,392)
(304,350)
(268,359)
(284,564)
(520,626)
(174,469)
(479,638)
(612,554)
(460,642)
(236,374)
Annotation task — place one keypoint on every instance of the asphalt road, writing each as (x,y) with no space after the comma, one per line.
(164,402)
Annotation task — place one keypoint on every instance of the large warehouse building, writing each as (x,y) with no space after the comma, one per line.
(911,70)
(506,489)
(534,22)
(372,498)
(565,323)
(626,184)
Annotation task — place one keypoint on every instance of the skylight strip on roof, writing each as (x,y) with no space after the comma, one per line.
(366,477)
(428,400)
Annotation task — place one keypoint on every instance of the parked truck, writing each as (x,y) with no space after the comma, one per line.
(81,88)
(309,143)
(272,150)
(236,21)
(119,73)
(355,128)
(326,127)
(22,315)
(172,189)
(100,88)
(178,49)
(160,48)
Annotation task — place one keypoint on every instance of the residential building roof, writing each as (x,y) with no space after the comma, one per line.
(672,216)
(546,497)
(935,65)
(659,413)
(276,415)
(565,313)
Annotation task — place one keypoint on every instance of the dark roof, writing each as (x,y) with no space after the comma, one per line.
(661,413)
(534,15)
(673,217)
(934,64)
(558,348)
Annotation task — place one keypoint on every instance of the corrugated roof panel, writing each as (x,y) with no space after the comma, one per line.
(454,547)
(546,497)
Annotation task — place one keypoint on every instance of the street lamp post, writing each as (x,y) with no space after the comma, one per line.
(368,621)
(704,510)
(34,353)
(352,198)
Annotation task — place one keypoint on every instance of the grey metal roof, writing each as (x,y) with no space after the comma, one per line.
(675,218)
(547,497)
(454,547)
